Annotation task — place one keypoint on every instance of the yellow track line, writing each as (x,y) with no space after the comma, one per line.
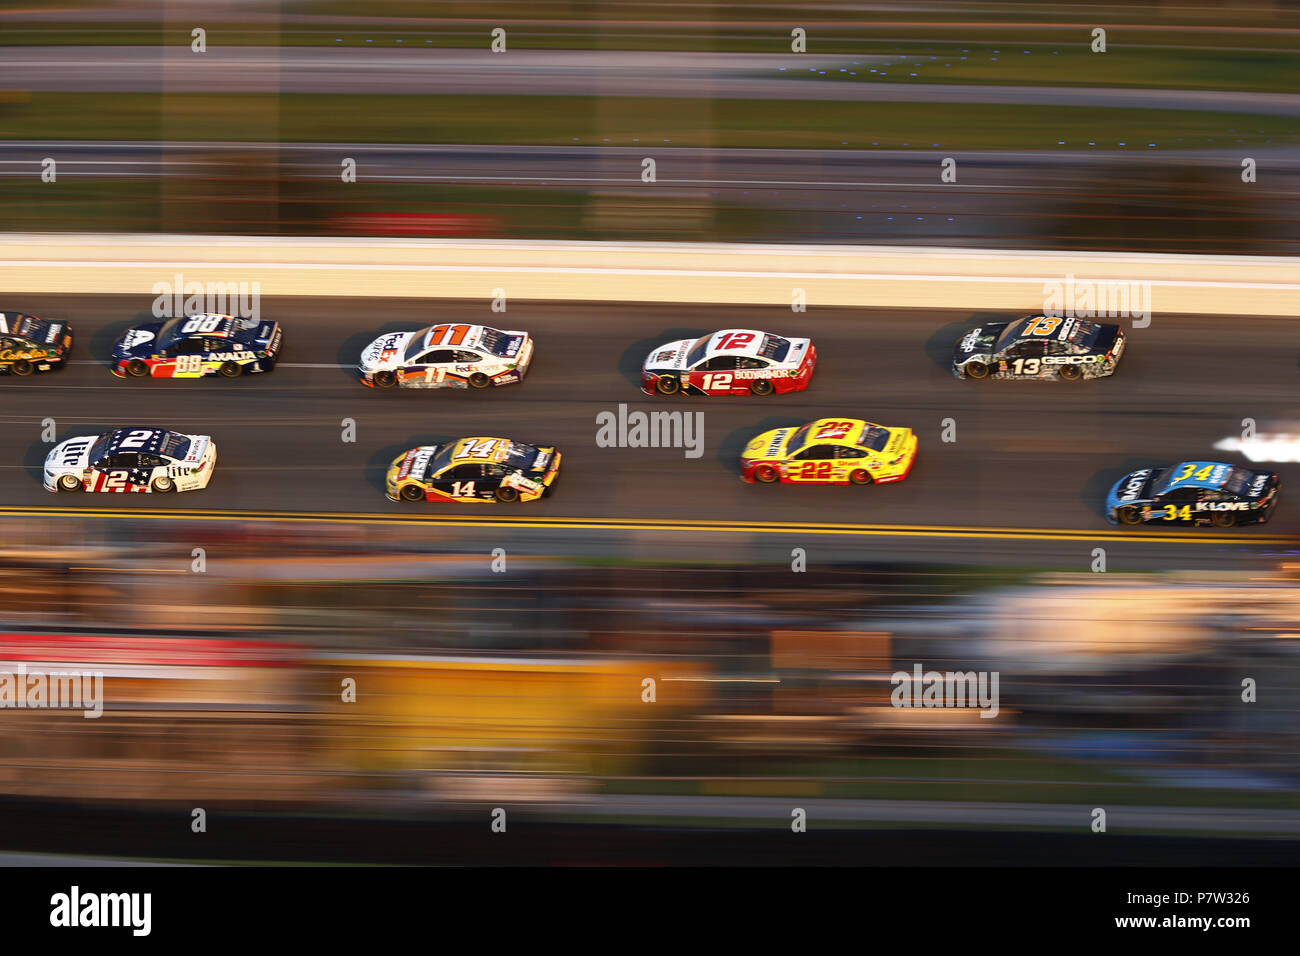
(669,525)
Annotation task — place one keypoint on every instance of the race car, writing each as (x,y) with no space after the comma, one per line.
(473,470)
(446,356)
(730,362)
(197,345)
(1194,492)
(1039,346)
(29,344)
(131,459)
(835,451)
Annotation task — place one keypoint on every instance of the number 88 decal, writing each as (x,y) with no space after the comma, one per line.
(188,364)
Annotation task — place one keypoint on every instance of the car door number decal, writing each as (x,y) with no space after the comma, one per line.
(462,489)
(717,380)
(1026,366)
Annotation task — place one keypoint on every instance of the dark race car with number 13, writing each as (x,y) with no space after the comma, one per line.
(196,346)
(29,344)
(1039,347)
(1194,492)
(730,362)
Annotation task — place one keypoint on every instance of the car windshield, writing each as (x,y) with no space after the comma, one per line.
(1238,481)
(100,448)
(519,455)
(169,333)
(799,438)
(416,345)
(775,347)
(498,343)
(698,350)
(875,438)
(175,446)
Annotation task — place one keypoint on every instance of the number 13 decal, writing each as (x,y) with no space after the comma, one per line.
(1026,366)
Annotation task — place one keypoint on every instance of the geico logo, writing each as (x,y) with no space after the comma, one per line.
(1223,506)
(1072,359)
(969,341)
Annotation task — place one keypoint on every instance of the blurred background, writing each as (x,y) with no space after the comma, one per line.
(226,688)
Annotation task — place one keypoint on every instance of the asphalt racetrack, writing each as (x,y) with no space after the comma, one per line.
(1023,481)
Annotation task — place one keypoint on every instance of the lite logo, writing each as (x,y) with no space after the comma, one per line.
(77,909)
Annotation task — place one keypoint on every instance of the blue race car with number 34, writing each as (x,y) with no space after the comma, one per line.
(1194,492)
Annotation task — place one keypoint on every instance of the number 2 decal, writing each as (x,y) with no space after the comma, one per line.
(135,439)
(717,380)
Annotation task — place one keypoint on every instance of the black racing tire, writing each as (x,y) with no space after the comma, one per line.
(22,367)
(1223,519)
(507,495)
(68,483)
(860,477)
(668,385)
(1130,514)
(162,484)
(766,474)
(761,386)
(137,368)
(231,369)
(1070,373)
(977,370)
(385,379)
(1264,516)
(411,493)
(479,380)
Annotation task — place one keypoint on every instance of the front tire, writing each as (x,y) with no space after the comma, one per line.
(69,483)
(761,387)
(162,485)
(507,495)
(479,380)
(1070,373)
(385,379)
(1223,519)
(231,369)
(22,367)
(766,474)
(1130,514)
(976,370)
(668,385)
(137,368)
(412,493)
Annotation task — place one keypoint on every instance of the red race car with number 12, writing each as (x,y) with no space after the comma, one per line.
(730,362)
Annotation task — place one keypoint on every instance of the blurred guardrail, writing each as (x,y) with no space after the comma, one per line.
(735,273)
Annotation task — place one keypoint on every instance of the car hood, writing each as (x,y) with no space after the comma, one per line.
(769,444)
(73,453)
(386,352)
(139,340)
(1133,487)
(977,341)
(670,356)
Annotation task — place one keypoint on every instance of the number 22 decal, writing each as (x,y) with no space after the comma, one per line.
(816,469)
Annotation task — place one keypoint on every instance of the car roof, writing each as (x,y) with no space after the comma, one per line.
(9,320)
(1216,479)
(151,445)
(227,328)
(750,350)
(851,436)
(458,452)
(473,336)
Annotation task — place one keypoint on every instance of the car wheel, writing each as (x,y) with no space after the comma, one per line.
(761,387)
(163,484)
(22,367)
(860,477)
(1130,514)
(137,368)
(1070,373)
(412,493)
(977,370)
(766,474)
(668,385)
(385,379)
(479,380)
(69,483)
(1224,519)
(231,369)
(508,495)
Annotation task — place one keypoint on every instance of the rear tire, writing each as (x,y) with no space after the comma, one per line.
(977,370)
(507,495)
(231,369)
(69,483)
(861,477)
(162,485)
(1223,519)
(668,385)
(1070,373)
(22,367)
(761,387)
(766,474)
(1130,514)
(137,368)
(385,379)
(479,380)
(412,493)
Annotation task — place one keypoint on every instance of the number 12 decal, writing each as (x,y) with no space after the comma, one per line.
(717,380)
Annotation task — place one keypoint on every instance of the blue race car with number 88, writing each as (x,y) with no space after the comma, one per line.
(1194,492)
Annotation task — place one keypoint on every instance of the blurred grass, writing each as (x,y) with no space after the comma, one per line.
(643,122)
